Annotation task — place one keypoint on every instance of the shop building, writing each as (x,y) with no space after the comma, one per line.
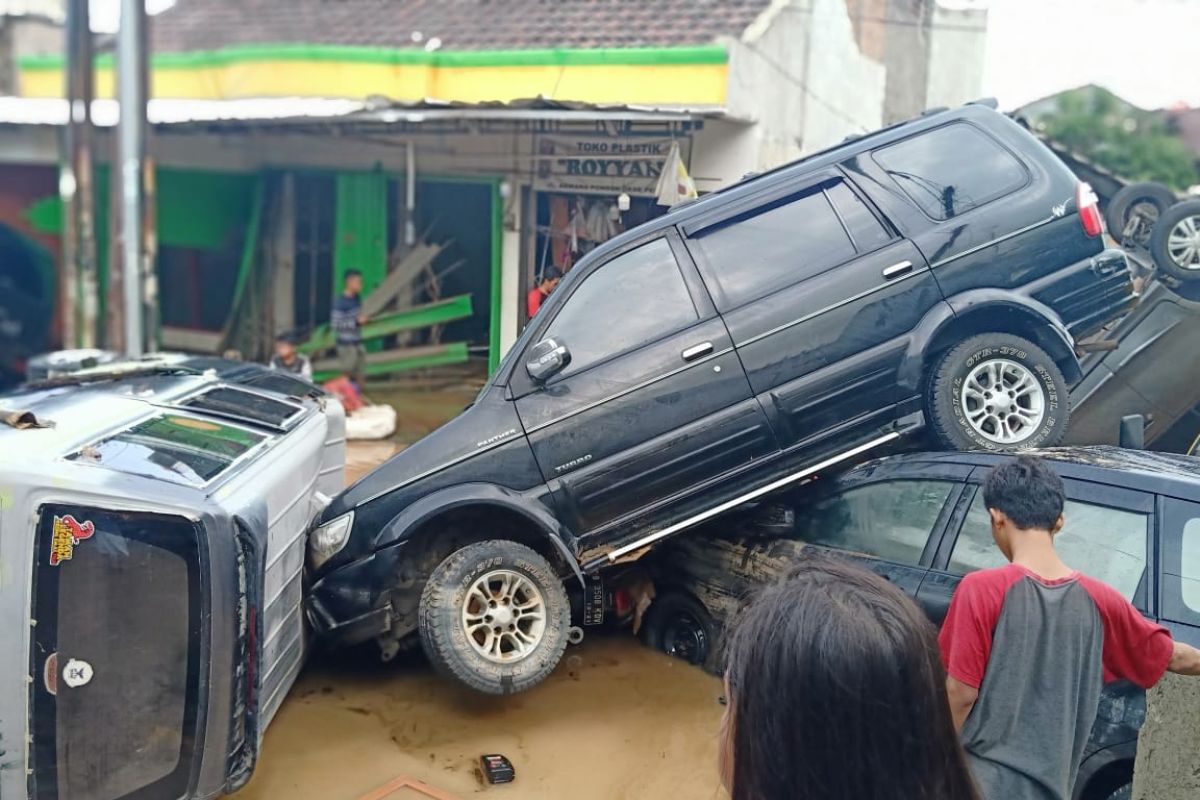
(293,142)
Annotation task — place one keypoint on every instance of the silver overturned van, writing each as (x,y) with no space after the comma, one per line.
(152,542)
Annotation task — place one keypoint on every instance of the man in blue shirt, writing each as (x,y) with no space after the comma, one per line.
(346,319)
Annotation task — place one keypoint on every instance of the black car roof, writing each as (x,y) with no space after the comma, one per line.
(1144,470)
(848,148)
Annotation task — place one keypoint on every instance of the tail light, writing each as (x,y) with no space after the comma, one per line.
(1089,210)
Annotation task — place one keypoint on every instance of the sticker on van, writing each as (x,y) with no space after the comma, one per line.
(67,534)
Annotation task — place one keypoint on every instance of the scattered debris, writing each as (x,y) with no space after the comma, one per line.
(22,420)
(404,782)
(497,769)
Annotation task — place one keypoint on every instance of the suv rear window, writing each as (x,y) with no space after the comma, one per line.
(951,170)
(172,448)
(244,405)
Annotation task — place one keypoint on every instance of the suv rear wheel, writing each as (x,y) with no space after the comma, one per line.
(997,391)
(494,616)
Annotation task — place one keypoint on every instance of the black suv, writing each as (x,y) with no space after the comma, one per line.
(1132,520)
(936,273)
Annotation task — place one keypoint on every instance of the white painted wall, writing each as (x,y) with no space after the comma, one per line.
(510,269)
(957,47)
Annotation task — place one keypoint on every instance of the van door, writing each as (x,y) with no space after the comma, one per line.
(820,295)
(653,405)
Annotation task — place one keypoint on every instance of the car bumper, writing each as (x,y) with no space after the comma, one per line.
(350,604)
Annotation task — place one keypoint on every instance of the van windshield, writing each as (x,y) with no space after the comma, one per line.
(172,448)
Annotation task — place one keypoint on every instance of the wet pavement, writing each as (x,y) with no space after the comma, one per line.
(615,721)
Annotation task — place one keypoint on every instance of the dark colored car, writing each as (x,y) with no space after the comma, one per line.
(933,274)
(1132,520)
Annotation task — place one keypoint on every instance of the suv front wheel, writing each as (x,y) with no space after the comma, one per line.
(996,391)
(495,617)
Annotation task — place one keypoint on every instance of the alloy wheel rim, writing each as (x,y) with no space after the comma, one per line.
(1003,401)
(1183,243)
(504,616)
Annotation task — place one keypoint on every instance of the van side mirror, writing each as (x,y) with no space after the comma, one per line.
(547,358)
(1133,432)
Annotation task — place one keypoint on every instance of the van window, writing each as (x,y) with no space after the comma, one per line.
(632,300)
(243,405)
(1189,572)
(172,448)
(951,170)
(772,247)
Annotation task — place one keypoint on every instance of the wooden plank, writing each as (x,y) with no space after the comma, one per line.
(387,362)
(442,311)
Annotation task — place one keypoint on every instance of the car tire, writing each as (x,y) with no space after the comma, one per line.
(967,377)
(1148,199)
(515,646)
(1175,243)
(680,626)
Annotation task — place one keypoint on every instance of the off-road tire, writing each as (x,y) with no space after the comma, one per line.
(947,418)
(1116,215)
(1159,241)
(444,638)
(672,608)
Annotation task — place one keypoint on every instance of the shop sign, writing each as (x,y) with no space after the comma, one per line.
(604,164)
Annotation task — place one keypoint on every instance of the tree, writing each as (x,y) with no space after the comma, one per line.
(1135,144)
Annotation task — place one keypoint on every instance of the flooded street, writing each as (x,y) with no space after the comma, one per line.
(615,720)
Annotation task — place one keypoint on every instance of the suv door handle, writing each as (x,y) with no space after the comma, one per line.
(896,270)
(697,351)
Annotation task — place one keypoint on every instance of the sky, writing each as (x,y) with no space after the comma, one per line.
(1146,51)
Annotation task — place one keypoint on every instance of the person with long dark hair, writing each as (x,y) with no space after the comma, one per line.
(835,690)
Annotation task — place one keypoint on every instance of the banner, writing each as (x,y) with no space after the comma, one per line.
(604,164)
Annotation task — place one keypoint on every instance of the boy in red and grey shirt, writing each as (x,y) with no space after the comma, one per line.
(1027,647)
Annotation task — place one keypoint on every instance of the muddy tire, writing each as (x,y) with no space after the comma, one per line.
(494,616)
(996,391)
(1175,243)
(1134,210)
(680,626)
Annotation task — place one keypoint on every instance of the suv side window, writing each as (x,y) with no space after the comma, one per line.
(1106,543)
(891,520)
(865,229)
(772,246)
(635,298)
(951,170)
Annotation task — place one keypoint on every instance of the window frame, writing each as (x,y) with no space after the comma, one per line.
(520,384)
(936,533)
(1174,515)
(1118,498)
(776,197)
(908,198)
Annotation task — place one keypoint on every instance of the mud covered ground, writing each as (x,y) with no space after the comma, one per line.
(615,720)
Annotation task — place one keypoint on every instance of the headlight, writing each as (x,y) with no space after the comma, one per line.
(327,541)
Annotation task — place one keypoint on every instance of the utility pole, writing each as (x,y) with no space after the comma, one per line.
(77,186)
(131,94)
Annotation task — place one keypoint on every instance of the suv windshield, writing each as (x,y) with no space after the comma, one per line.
(172,448)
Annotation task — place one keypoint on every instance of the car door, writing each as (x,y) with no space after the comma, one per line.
(1179,585)
(653,405)
(890,525)
(1107,534)
(820,295)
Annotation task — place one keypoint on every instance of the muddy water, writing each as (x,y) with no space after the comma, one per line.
(615,721)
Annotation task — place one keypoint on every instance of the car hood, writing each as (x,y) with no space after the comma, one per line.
(476,430)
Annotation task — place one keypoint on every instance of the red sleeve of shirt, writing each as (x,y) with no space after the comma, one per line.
(966,636)
(1135,649)
(533,301)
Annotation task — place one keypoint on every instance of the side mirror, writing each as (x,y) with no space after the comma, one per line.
(1133,432)
(547,358)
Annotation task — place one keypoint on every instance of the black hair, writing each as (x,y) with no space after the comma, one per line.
(1028,491)
(351,273)
(551,274)
(837,692)
(288,337)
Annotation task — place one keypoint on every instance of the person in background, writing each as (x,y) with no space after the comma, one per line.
(288,359)
(834,690)
(346,319)
(1028,646)
(538,294)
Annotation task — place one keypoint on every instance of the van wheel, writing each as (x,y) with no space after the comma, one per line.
(494,616)
(1175,243)
(996,391)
